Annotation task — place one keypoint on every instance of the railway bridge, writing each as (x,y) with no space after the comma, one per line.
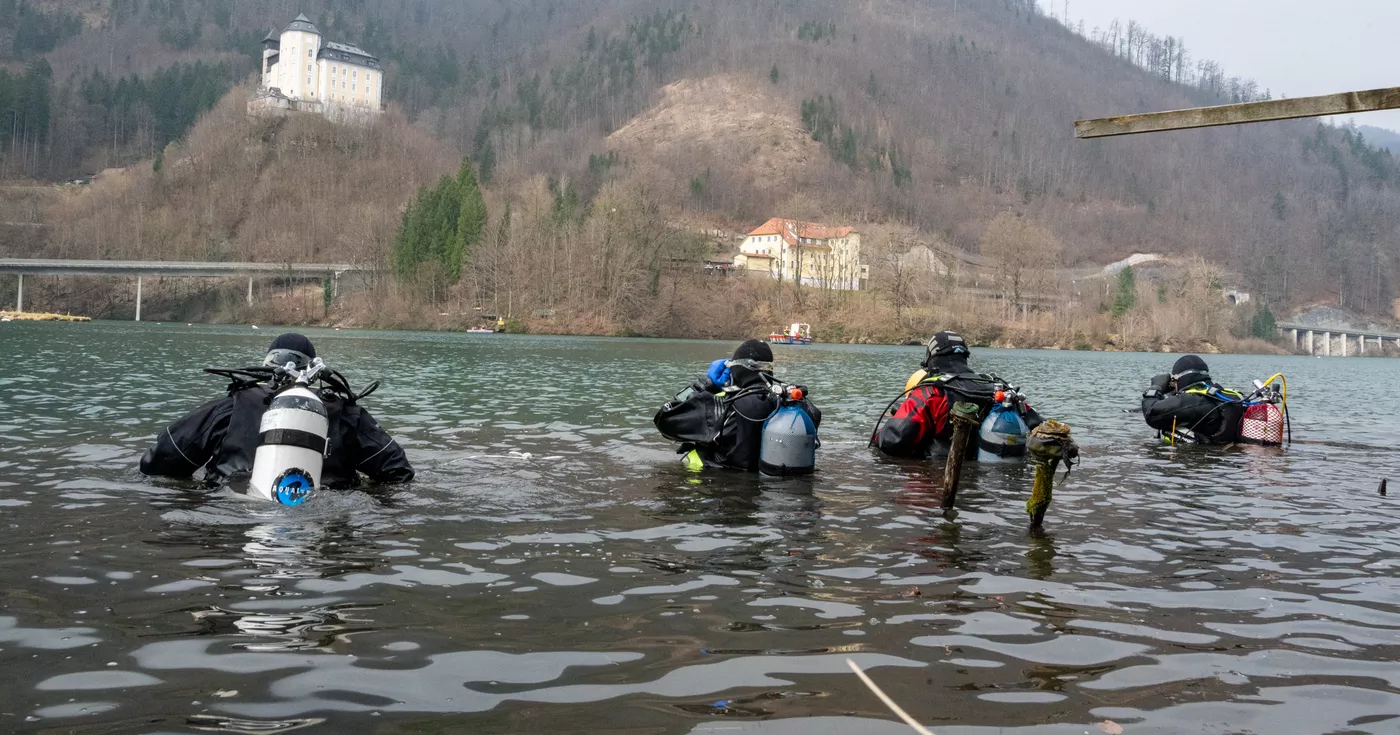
(1329,341)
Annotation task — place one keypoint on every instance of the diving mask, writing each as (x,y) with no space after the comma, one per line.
(282,356)
(754,365)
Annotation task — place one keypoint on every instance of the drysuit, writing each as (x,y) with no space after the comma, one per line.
(1196,408)
(222,436)
(920,425)
(720,424)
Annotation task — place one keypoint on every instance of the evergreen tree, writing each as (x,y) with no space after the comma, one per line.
(405,255)
(440,226)
(1126,297)
(471,218)
(1264,326)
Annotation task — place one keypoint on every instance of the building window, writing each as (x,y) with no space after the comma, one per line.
(308,80)
(308,53)
(308,67)
(354,73)
(352,88)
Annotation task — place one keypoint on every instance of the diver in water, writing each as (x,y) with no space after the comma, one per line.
(222,436)
(720,419)
(1186,403)
(920,425)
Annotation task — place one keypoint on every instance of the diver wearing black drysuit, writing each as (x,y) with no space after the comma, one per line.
(1188,403)
(222,435)
(920,425)
(720,424)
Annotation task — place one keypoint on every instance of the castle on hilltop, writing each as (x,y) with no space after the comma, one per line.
(302,72)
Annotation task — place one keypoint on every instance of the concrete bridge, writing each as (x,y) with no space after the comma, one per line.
(1320,340)
(174,268)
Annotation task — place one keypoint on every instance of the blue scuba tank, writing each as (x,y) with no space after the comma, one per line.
(1003,434)
(789,442)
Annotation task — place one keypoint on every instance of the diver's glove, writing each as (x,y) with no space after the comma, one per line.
(718,372)
(1159,386)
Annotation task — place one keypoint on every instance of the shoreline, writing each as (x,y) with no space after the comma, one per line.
(36,316)
(1098,345)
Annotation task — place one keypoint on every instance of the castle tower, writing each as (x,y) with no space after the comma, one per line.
(269,60)
(296,67)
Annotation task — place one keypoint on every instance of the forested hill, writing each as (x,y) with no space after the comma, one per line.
(937,114)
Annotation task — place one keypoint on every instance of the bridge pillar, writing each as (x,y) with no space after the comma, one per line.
(250,290)
(1293,335)
(1361,345)
(1344,344)
(1310,342)
(1327,344)
(19,297)
(138,298)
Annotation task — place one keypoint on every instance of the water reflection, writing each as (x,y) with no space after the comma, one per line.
(780,522)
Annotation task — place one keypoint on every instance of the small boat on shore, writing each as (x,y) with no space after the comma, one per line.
(796,333)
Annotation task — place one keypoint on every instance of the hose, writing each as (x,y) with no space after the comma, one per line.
(1287,422)
(875,433)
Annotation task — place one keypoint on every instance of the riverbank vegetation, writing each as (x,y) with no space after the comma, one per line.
(616,146)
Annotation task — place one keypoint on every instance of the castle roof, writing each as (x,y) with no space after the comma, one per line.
(303,24)
(348,53)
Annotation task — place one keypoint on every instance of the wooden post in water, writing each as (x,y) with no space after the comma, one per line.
(19,299)
(1049,445)
(964,418)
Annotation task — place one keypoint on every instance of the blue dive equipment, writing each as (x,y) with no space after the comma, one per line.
(1003,434)
(789,436)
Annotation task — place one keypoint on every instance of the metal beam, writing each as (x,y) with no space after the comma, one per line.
(1247,112)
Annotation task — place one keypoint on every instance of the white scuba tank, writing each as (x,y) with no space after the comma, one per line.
(291,446)
(1003,434)
(789,439)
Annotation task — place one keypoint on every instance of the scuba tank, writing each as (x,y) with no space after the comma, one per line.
(1003,434)
(291,441)
(789,436)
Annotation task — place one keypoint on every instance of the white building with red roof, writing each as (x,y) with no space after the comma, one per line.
(814,255)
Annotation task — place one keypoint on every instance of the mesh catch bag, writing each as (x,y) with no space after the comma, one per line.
(1262,424)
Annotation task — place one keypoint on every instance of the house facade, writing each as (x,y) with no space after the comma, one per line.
(301,71)
(802,252)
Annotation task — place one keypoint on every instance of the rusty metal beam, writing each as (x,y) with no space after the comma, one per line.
(1247,112)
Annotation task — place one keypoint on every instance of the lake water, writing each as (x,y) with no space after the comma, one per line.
(553,569)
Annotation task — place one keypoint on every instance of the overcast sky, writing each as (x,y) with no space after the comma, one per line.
(1291,47)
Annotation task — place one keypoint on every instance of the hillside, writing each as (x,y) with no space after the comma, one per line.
(928,118)
(1381,137)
